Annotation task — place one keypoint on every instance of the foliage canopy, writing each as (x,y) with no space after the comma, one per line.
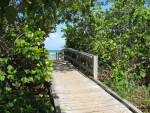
(120,36)
(24,25)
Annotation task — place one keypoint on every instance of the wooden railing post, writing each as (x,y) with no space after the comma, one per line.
(57,56)
(50,55)
(95,67)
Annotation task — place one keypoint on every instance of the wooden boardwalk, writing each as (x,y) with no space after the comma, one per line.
(75,93)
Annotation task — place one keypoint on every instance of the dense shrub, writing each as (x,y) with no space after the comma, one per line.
(24,102)
(24,67)
(120,37)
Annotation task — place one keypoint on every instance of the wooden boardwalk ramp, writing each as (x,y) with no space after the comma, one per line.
(75,93)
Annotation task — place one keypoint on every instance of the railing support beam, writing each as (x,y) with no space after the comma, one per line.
(57,56)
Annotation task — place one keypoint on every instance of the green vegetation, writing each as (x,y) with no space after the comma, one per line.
(24,67)
(23,62)
(120,37)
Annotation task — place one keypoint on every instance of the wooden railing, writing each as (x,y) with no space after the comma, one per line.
(52,55)
(77,58)
(87,61)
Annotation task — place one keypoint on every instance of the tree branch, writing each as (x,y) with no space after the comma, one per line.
(18,38)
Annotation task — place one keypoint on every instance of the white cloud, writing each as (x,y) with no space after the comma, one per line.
(53,36)
(54,41)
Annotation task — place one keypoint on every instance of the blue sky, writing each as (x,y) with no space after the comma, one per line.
(54,41)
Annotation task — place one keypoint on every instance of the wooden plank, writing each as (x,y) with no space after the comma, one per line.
(125,102)
(75,93)
(98,110)
(93,105)
(85,100)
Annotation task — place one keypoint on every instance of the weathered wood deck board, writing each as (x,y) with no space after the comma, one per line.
(75,93)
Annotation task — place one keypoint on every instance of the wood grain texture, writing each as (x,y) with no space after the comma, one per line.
(75,93)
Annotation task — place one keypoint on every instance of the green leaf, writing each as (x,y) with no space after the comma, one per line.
(5,60)
(10,77)
(2,77)
(142,73)
(8,88)
(52,108)
(11,104)
(10,14)
(38,65)
(9,68)
(49,73)
(37,77)
(31,79)
(13,34)
(27,71)
(46,78)
(33,71)
(41,95)
(28,2)
(1,90)
(38,44)
(18,84)
(46,51)
(24,79)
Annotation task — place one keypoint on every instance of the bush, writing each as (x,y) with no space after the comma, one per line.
(26,64)
(24,102)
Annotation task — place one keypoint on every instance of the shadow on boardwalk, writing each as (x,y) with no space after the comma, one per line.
(62,66)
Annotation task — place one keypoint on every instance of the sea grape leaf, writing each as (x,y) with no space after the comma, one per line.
(46,78)
(11,77)
(31,79)
(2,77)
(9,68)
(24,79)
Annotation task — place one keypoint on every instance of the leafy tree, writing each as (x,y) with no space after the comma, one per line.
(24,25)
(119,36)
(24,64)
(22,50)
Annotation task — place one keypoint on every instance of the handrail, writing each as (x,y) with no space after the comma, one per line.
(87,57)
(94,60)
(51,54)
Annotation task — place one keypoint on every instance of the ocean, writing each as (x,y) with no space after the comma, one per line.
(53,56)
(53,50)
